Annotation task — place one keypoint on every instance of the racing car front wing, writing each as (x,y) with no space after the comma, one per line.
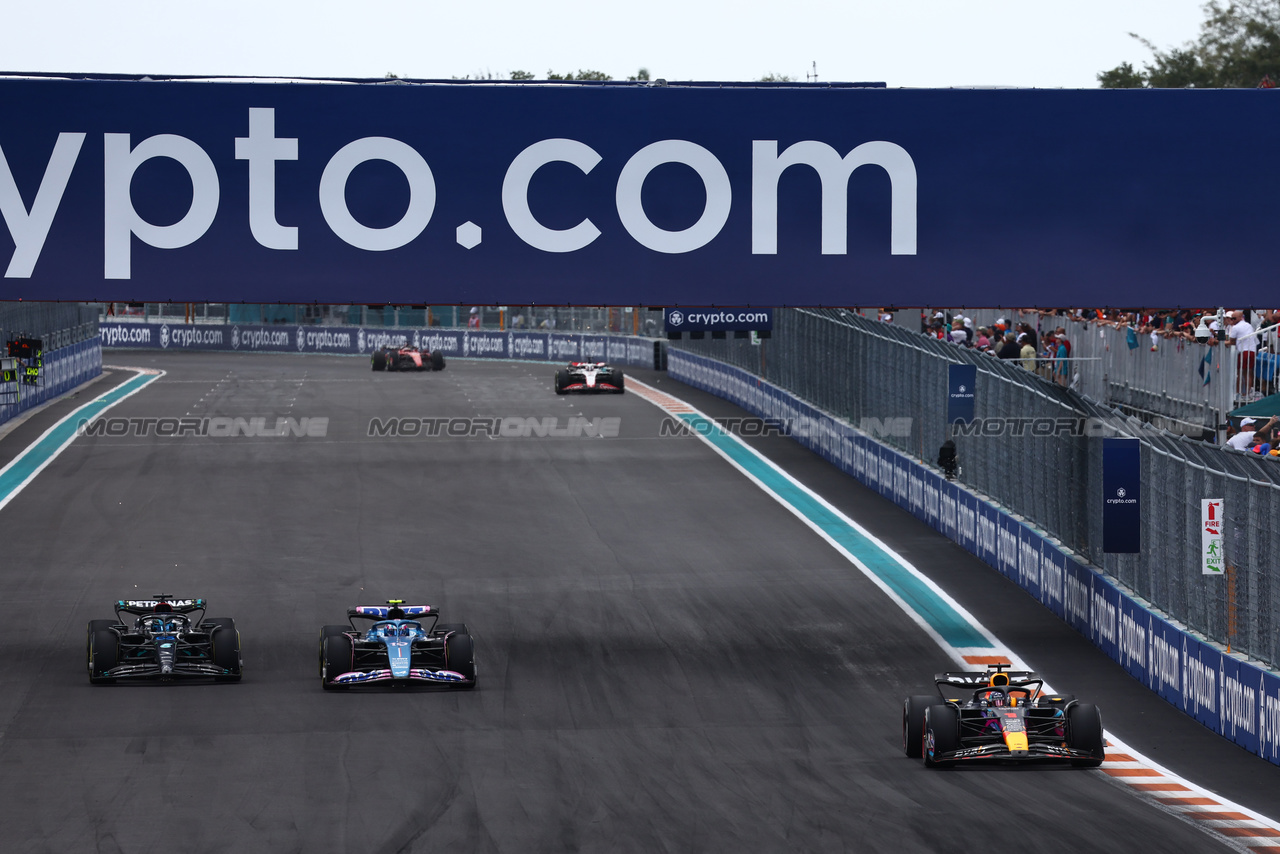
(152,670)
(416,674)
(1004,753)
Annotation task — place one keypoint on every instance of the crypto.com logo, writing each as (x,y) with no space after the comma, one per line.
(675,318)
(263,154)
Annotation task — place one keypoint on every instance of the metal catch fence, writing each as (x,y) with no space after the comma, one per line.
(1038,452)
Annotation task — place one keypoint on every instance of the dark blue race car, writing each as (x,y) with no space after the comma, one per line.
(399,644)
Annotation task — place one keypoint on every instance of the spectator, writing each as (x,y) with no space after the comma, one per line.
(984,339)
(1010,349)
(1027,353)
(1240,335)
(473,322)
(1244,438)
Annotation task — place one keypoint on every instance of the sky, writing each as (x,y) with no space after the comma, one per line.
(903,43)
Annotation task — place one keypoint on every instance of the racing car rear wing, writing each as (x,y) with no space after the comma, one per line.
(993,678)
(382,612)
(161,603)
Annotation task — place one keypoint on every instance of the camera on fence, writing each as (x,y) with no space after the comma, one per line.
(948,461)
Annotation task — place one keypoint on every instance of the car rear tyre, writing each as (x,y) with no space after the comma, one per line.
(104,651)
(225,641)
(941,734)
(1084,732)
(336,657)
(560,382)
(379,361)
(913,723)
(460,657)
(437,360)
(617,380)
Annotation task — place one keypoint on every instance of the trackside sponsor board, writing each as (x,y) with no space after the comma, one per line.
(1235,698)
(534,346)
(63,370)
(716,195)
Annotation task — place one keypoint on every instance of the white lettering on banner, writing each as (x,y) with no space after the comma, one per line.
(1133,641)
(986,535)
(482,345)
(121,221)
(1198,688)
(515,195)
(443,343)
(1076,603)
(1051,577)
(592,349)
(1104,618)
(916,486)
(29,230)
(521,345)
(262,150)
(324,340)
(950,521)
(125,334)
(333,193)
(968,524)
(1269,738)
(1007,551)
(834,172)
(562,346)
(715,182)
(1165,668)
(1237,702)
(1028,564)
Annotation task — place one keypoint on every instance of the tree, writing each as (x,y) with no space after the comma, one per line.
(581,75)
(522,75)
(642,74)
(775,77)
(1239,45)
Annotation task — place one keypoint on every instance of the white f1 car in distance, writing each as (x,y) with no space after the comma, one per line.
(590,377)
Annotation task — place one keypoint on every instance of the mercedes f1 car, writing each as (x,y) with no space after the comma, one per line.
(407,359)
(157,639)
(1000,715)
(400,644)
(591,377)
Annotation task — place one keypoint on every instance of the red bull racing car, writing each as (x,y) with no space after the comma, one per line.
(589,377)
(407,358)
(397,644)
(1000,715)
(156,639)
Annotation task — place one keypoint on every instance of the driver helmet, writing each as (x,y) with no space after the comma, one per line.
(996,698)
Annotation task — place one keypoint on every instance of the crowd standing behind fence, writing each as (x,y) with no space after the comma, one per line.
(871,373)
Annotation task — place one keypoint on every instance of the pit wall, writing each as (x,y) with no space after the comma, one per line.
(63,370)
(356,340)
(1234,698)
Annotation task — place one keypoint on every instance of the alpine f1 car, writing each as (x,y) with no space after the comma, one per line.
(1000,715)
(407,359)
(157,639)
(589,376)
(401,644)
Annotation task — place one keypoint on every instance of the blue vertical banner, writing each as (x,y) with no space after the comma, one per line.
(961,380)
(1121,496)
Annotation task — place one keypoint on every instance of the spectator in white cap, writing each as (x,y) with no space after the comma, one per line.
(1244,438)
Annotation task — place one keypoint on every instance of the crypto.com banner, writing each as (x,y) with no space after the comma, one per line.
(666,195)
(351,340)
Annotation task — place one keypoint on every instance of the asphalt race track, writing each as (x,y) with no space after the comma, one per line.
(669,661)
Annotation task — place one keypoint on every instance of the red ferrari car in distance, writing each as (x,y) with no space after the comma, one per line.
(407,359)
